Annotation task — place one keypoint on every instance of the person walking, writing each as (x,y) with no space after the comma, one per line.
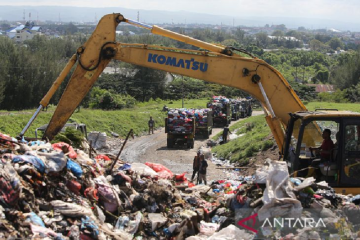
(202,169)
(196,166)
(226,131)
(151,124)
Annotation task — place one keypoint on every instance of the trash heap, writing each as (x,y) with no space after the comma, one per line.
(201,117)
(180,120)
(54,191)
(218,105)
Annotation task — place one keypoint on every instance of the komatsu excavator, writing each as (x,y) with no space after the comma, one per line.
(294,128)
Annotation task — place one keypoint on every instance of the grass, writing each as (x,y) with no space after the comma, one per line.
(340,106)
(244,147)
(119,121)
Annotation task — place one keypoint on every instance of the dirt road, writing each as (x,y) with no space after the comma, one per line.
(152,148)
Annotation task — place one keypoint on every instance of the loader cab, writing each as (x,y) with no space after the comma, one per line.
(339,167)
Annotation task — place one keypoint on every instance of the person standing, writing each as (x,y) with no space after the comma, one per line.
(202,169)
(226,131)
(151,124)
(196,166)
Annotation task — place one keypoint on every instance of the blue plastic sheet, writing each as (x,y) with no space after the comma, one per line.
(74,168)
(125,167)
(87,223)
(35,161)
(35,219)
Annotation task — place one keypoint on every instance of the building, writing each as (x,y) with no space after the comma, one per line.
(322,87)
(23,32)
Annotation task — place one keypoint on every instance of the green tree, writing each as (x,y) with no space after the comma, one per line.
(336,43)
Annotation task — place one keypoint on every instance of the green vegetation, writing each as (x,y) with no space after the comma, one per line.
(254,139)
(330,105)
(119,121)
(257,133)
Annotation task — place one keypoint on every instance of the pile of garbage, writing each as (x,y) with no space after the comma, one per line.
(201,116)
(218,105)
(54,191)
(180,120)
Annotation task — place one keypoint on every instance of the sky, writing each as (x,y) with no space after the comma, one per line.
(338,10)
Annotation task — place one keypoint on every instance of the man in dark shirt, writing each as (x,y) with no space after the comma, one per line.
(202,170)
(226,131)
(151,124)
(196,165)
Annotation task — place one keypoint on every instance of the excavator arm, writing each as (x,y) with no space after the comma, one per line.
(217,64)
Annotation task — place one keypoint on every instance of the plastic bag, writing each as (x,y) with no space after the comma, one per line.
(156,220)
(74,167)
(208,229)
(102,157)
(231,232)
(70,209)
(35,219)
(58,146)
(143,170)
(163,171)
(180,177)
(35,161)
(279,198)
(55,161)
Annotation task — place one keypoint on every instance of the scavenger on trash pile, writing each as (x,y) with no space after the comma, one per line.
(56,192)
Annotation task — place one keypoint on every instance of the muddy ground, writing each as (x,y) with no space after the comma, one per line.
(152,148)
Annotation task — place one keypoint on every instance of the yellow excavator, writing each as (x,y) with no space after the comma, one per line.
(294,128)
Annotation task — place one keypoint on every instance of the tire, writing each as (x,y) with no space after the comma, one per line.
(207,134)
(170,143)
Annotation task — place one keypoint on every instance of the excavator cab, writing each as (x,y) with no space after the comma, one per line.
(340,166)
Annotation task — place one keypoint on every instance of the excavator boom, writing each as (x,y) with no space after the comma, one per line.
(216,64)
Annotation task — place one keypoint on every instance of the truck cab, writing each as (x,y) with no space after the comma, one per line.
(340,168)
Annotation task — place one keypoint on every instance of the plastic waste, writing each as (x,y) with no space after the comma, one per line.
(215,219)
(61,145)
(295,181)
(35,219)
(88,224)
(134,225)
(125,167)
(55,161)
(143,170)
(167,232)
(35,161)
(163,171)
(102,157)
(157,220)
(74,168)
(232,232)
(208,229)
(180,177)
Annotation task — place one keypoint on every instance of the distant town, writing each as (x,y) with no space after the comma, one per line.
(19,31)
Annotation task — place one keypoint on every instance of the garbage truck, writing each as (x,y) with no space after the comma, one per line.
(291,124)
(221,113)
(235,110)
(245,108)
(204,122)
(180,128)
